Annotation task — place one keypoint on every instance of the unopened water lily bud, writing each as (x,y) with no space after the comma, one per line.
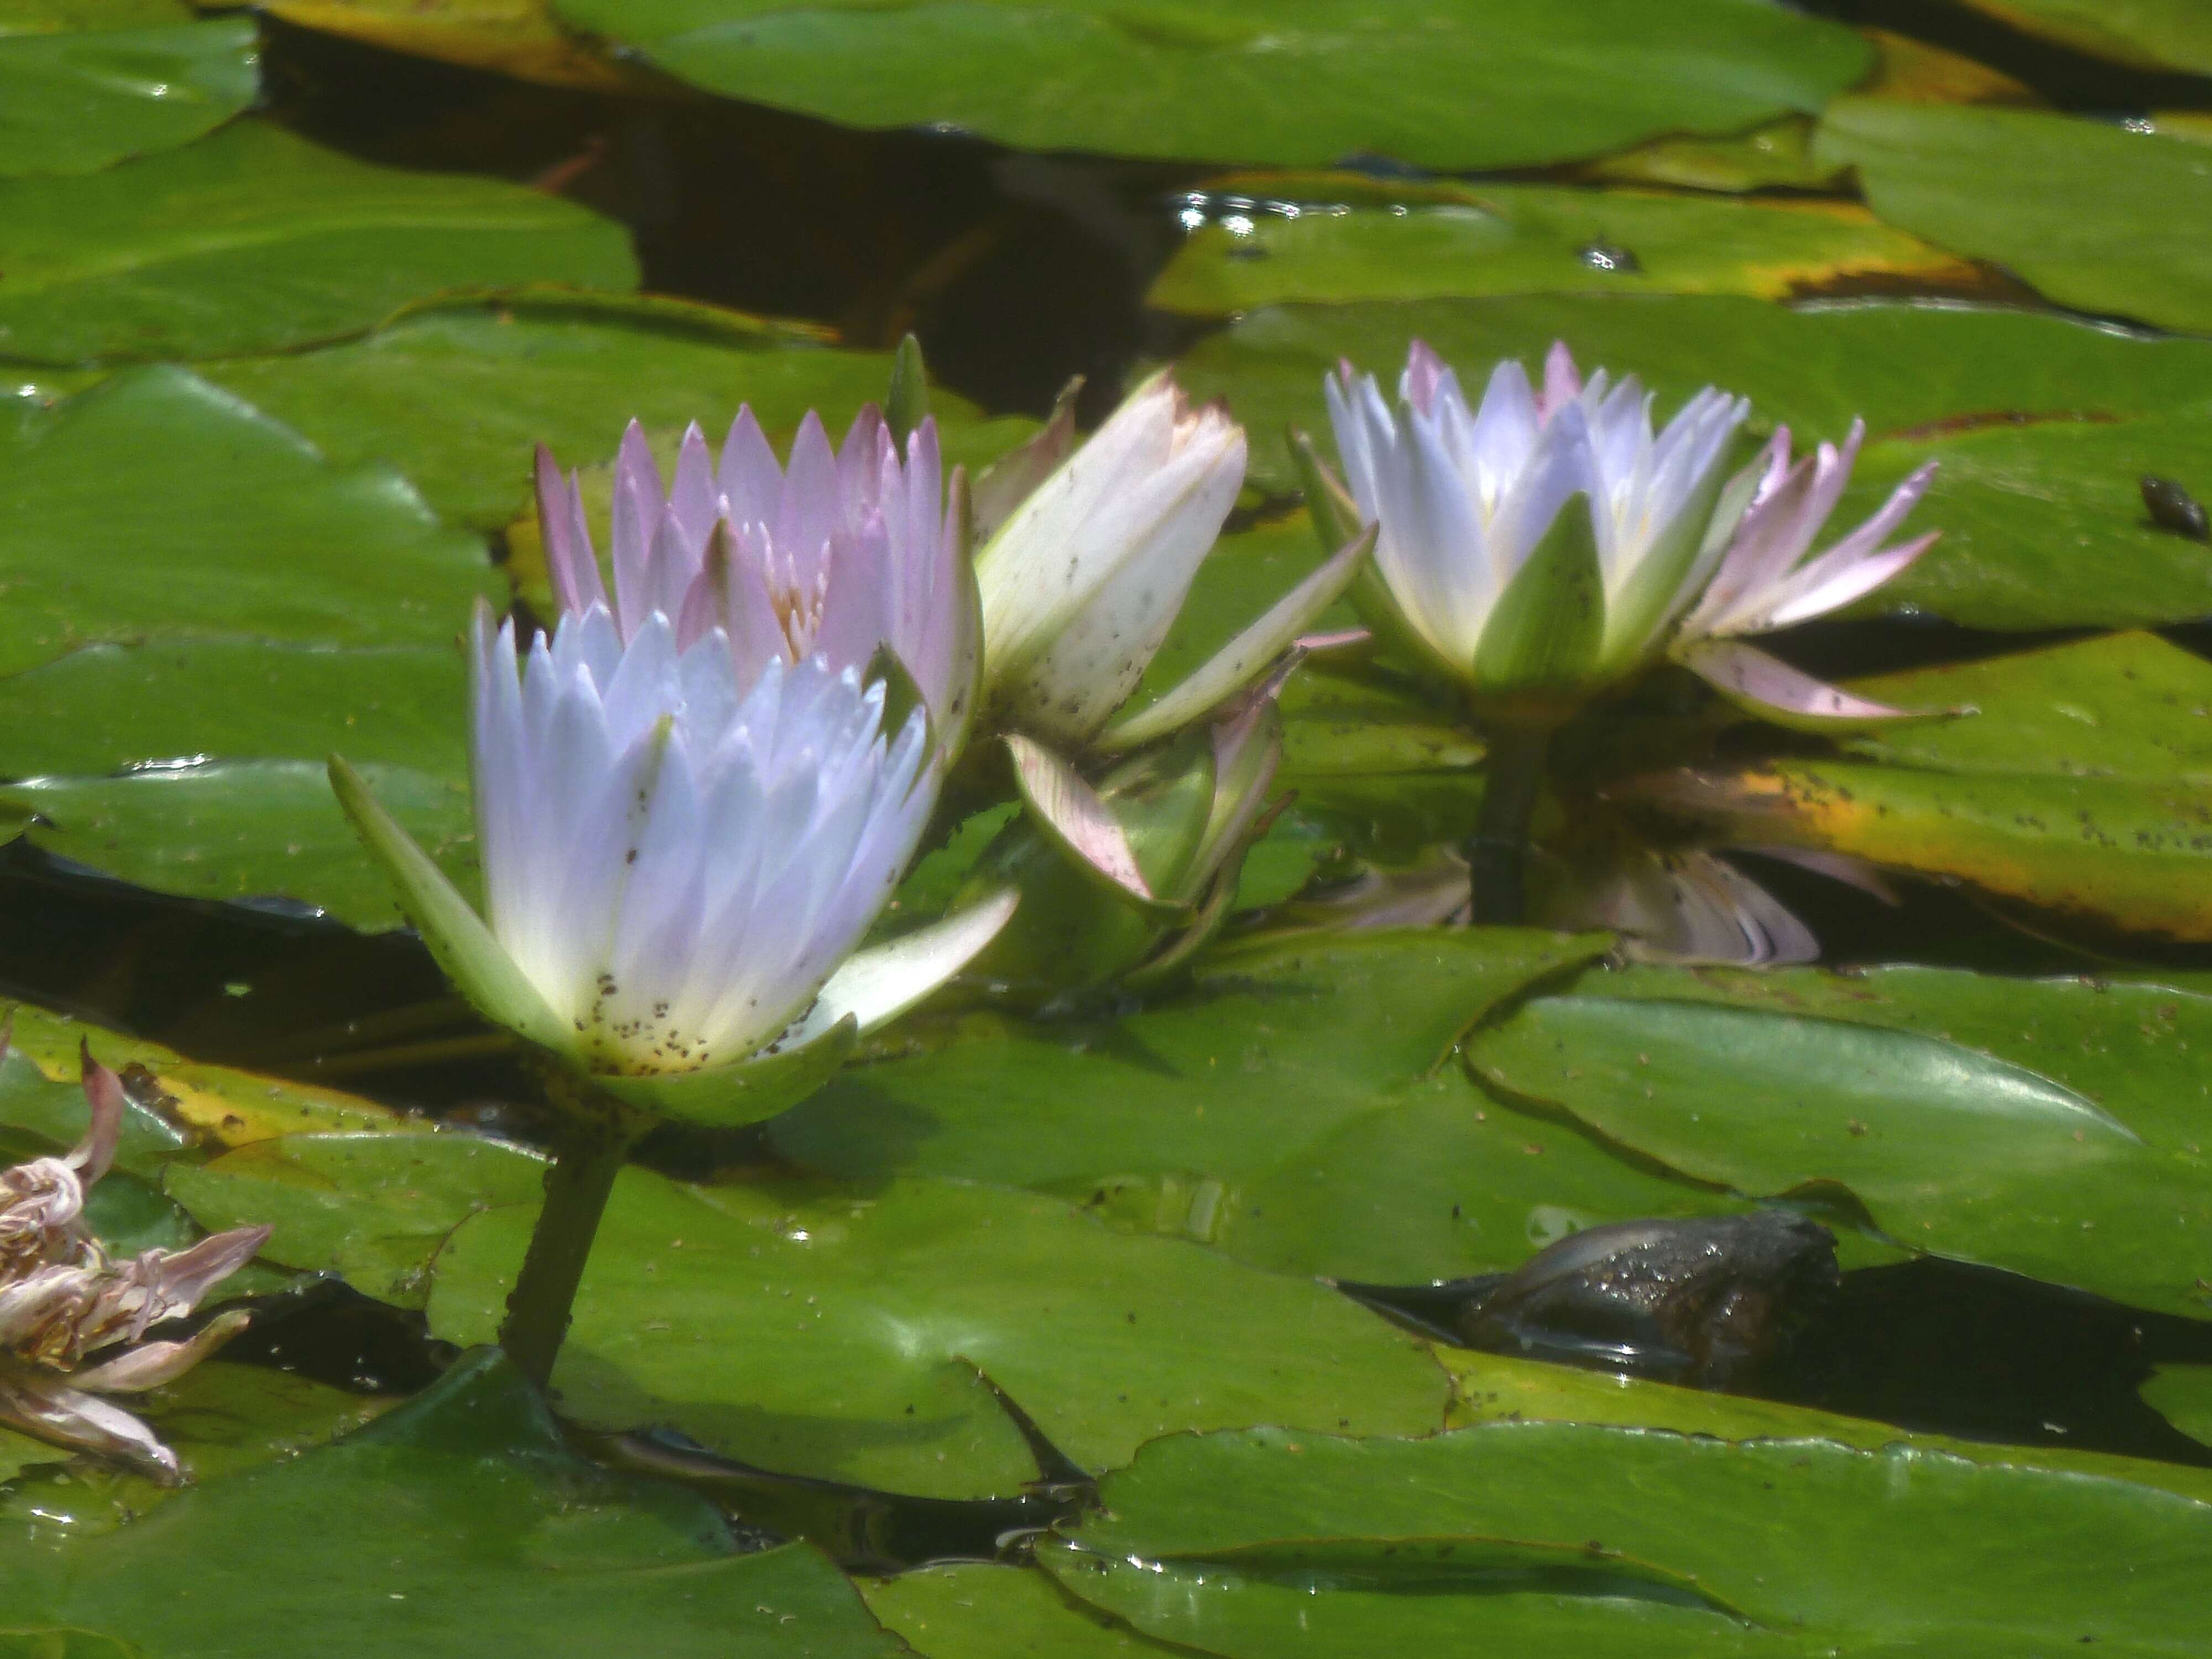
(1084,579)
(1125,880)
(679,863)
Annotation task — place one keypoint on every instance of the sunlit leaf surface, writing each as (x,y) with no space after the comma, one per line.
(149,260)
(73,103)
(1505,83)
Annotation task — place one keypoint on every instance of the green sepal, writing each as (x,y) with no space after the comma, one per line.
(749,1091)
(1542,638)
(906,406)
(1164,801)
(460,943)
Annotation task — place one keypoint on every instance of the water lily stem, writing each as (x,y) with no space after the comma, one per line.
(1498,851)
(594,1137)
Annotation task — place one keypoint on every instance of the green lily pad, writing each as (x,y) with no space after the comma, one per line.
(212,522)
(568,371)
(253,610)
(843,1336)
(2183,1395)
(1951,1149)
(1607,1541)
(2042,426)
(971,1611)
(1902,367)
(253,240)
(1330,238)
(75,103)
(2082,785)
(1500,1389)
(456,1523)
(2150,34)
(1508,83)
(2095,216)
(2132,1050)
(60,16)
(518,38)
(372,1208)
(1290,1110)
(250,830)
(217,1418)
(1777,155)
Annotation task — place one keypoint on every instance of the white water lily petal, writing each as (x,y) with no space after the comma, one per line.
(1770,688)
(676,861)
(1245,657)
(1464,498)
(877,985)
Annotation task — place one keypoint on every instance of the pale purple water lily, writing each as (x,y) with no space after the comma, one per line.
(680,862)
(843,552)
(64,1302)
(1084,579)
(1487,567)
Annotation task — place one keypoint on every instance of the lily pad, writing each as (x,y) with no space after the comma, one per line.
(2095,216)
(212,522)
(1291,1109)
(568,371)
(1951,1149)
(511,36)
(253,610)
(374,1207)
(2042,426)
(843,1336)
(972,1611)
(253,240)
(2083,784)
(1273,239)
(2148,35)
(1606,1542)
(2132,1050)
(77,102)
(2183,1395)
(1510,82)
(217,1418)
(458,1523)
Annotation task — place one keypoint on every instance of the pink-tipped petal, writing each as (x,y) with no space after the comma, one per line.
(1076,815)
(1772,689)
(103,1091)
(1805,599)
(1563,381)
(749,475)
(1424,372)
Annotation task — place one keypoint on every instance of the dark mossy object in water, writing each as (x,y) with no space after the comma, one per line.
(1706,1302)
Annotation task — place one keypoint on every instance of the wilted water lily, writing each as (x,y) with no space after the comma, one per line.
(63,1302)
(678,862)
(1084,579)
(1494,571)
(843,553)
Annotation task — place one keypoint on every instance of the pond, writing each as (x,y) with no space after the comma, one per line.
(1276,828)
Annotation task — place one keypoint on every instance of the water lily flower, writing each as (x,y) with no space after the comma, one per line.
(63,1302)
(1082,581)
(841,554)
(679,861)
(1548,542)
